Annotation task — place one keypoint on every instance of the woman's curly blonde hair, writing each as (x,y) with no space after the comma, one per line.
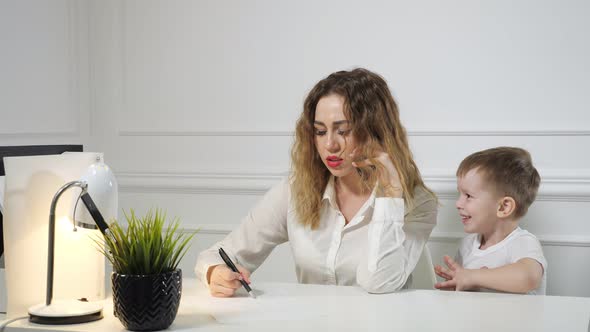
(374,117)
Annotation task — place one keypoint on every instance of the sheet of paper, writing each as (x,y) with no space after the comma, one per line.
(280,302)
(2,273)
(241,310)
(1,194)
(2,291)
(266,307)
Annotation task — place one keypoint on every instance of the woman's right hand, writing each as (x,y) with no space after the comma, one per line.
(223,282)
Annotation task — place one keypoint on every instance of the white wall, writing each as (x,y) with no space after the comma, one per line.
(43,76)
(194,102)
(44,81)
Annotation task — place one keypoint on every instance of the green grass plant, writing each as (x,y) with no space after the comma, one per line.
(145,246)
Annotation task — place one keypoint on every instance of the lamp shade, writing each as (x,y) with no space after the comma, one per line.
(103,188)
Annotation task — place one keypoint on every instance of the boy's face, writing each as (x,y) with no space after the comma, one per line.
(478,203)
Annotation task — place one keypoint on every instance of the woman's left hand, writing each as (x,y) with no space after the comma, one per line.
(388,178)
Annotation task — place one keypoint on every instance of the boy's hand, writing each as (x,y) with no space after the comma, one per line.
(456,277)
(443,273)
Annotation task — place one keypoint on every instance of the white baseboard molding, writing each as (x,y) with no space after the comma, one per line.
(436,237)
(280,133)
(546,240)
(198,183)
(565,188)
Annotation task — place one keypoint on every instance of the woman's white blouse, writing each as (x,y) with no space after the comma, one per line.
(377,250)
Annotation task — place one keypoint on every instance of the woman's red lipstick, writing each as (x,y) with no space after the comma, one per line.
(334,161)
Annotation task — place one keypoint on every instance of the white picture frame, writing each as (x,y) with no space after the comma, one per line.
(2,271)
(31,183)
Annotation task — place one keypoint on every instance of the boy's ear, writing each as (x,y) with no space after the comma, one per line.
(506,207)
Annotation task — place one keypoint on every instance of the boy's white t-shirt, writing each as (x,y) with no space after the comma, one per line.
(517,245)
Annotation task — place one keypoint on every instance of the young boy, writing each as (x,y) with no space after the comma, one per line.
(496,188)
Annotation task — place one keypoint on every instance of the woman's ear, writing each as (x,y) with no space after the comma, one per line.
(506,207)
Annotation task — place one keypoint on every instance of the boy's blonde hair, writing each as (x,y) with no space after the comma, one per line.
(510,171)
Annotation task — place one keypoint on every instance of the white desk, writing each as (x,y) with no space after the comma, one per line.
(331,308)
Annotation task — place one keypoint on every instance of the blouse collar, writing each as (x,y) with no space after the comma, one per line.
(330,194)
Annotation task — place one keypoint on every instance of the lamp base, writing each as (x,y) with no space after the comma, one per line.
(65,312)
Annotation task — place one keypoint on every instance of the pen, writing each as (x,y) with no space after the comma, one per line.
(231,265)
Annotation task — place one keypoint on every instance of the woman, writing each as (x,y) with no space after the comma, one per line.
(354,209)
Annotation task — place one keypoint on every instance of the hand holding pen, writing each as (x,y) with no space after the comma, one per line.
(224,281)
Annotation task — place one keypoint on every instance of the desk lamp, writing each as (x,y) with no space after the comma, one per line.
(100,179)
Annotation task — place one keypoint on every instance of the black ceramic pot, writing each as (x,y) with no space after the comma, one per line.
(147,302)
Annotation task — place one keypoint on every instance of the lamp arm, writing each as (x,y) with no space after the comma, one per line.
(51,241)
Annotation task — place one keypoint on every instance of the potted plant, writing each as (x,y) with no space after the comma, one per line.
(146,280)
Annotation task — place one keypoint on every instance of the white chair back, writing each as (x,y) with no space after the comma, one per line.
(423,276)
